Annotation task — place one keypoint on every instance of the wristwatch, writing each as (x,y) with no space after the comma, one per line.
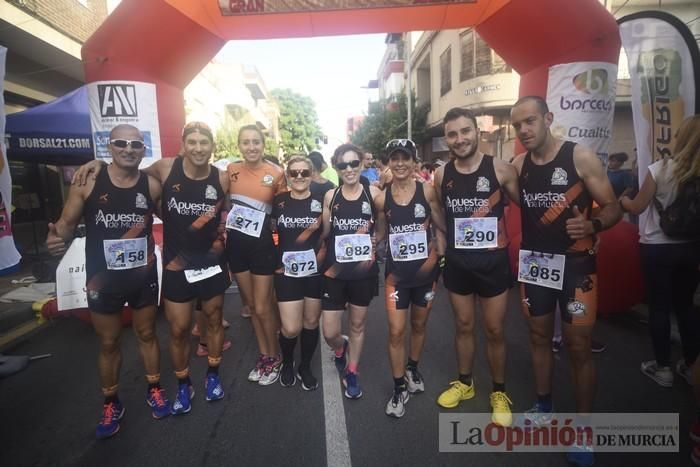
(597,225)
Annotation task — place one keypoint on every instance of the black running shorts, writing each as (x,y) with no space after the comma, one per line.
(399,298)
(246,253)
(177,289)
(113,302)
(337,293)
(485,273)
(290,289)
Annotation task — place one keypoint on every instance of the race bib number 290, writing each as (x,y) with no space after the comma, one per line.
(476,232)
(125,253)
(541,269)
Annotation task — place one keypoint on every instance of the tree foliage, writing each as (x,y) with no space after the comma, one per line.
(387,120)
(299,127)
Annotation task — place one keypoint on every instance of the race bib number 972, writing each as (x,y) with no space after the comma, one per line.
(543,269)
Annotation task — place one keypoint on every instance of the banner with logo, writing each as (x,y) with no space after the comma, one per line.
(118,102)
(9,256)
(581,95)
(257,7)
(664,67)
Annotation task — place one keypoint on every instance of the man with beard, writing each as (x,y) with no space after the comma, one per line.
(471,187)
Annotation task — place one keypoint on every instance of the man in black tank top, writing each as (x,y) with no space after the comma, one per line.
(194,268)
(472,187)
(118,206)
(558,182)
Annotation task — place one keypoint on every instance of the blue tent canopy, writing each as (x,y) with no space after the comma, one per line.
(58,132)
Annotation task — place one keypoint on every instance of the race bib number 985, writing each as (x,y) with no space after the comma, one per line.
(541,269)
(125,253)
(353,248)
(476,232)
(245,220)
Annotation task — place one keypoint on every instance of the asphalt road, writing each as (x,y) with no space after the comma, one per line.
(48,412)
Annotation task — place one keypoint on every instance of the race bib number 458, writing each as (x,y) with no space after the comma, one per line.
(541,269)
(125,253)
(353,248)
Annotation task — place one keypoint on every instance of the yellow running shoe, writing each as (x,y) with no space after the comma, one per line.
(456,393)
(501,409)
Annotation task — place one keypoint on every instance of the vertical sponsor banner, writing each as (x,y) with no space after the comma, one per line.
(664,67)
(124,102)
(581,95)
(9,256)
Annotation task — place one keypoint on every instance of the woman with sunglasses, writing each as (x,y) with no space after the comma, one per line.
(297,219)
(411,208)
(349,220)
(254,182)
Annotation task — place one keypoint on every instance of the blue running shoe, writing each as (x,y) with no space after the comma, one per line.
(181,404)
(109,424)
(580,455)
(212,385)
(538,416)
(341,363)
(160,405)
(352,386)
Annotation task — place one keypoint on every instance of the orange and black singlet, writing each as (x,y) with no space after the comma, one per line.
(474,208)
(119,247)
(548,194)
(191,218)
(411,258)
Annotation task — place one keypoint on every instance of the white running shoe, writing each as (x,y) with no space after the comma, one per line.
(396,407)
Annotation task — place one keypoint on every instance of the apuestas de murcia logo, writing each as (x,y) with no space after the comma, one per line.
(191,209)
(210,192)
(141,201)
(544,200)
(418,211)
(350,224)
(296,222)
(394,229)
(576,307)
(316,206)
(267,180)
(467,204)
(560,177)
(119,221)
(117,100)
(366,208)
(483,185)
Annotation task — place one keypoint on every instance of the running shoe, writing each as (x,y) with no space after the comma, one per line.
(182,403)
(203,351)
(109,423)
(663,376)
(580,455)
(683,371)
(160,406)
(414,380)
(597,346)
(538,416)
(695,431)
(500,403)
(341,363)
(245,312)
(271,371)
(308,380)
(352,386)
(557,344)
(456,393)
(287,378)
(214,389)
(396,407)
(695,454)
(256,373)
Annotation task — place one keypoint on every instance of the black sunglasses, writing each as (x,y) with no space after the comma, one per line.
(296,173)
(352,164)
(400,143)
(123,143)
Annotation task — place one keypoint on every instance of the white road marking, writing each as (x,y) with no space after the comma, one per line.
(337,444)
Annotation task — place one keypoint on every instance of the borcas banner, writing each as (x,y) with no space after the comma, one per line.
(9,256)
(664,66)
(117,102)
(257,7)
(581,95)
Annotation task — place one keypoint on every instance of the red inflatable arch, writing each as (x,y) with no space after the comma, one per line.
(167,42)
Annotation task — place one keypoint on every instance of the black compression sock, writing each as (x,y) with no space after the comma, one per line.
(466,379)
(287,345)
(499,387)
(309,340)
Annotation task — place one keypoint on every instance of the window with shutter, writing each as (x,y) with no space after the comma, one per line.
(445,72)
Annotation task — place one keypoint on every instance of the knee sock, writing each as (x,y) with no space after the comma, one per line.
(309,340)
(287,345)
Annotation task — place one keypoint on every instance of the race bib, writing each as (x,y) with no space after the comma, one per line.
(476,232)
(196,275)
(246,220)
(299,263)
(541,269)
(353,248)
(408,246)
(125,253)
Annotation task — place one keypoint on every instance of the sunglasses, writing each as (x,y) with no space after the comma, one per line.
(296,173)
(400,143)
(123,143)
(352,164)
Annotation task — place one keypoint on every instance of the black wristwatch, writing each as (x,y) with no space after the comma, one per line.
(597,225)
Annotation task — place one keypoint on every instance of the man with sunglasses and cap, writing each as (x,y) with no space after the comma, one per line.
(472,187)
(194,266)
(410,209)
(118,207)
